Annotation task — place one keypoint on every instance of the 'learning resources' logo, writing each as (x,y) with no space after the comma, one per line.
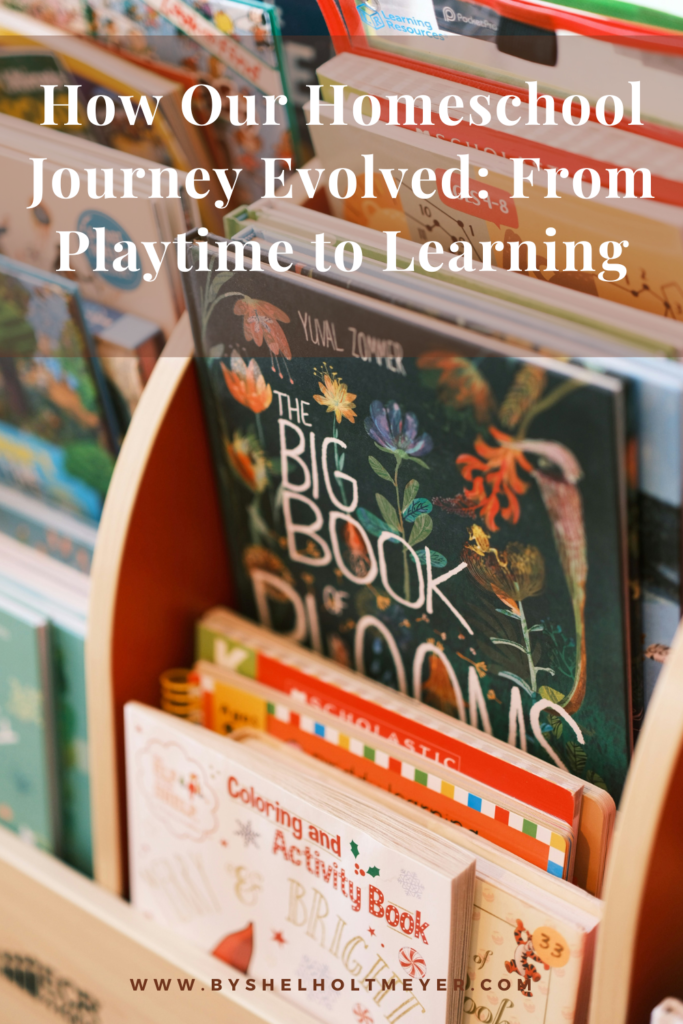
(372,15)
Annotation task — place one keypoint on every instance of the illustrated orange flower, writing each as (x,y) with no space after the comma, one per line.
(248,461)
(495,480)
(247,384)
(260,323)
(460,383)
(335,395)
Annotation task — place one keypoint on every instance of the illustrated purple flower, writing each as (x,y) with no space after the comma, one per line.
(395,432)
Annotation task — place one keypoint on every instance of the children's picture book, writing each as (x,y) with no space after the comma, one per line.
(29,796)
(65,537)
(234,643)
(296,880)
(97,72)
(235,46)
(58,593)
(500,50)
(232,700)
(516,907)
(56,426)
(23,72)
(653,260)
(30,232)
(67,668)
(128,347)
(432,515)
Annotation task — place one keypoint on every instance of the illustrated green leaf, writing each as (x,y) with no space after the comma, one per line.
(556,725)
(372,523)
(596,780)
(378,468)
(422,527)
(575,756)
(217,282)
(418,507)
(538,628)
(509,612)
(547,693)
(388,512)
(373,872)
(410,492)
(517,679)
(354,848)
(507,643)
(435,557)
(419,461)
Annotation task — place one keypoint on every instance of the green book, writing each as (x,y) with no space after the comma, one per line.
(67,658)
(29,802)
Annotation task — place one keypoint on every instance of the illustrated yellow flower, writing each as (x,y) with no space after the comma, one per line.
(335,395)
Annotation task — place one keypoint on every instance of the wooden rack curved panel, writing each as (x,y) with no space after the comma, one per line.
(160,562)
(640,947)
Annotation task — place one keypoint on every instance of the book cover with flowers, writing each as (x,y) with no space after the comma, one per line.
(449,522)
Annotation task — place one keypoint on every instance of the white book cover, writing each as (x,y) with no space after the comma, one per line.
(326,897)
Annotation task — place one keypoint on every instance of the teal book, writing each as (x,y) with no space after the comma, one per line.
(65,537)
(427,505)
(28,776)
(67,631)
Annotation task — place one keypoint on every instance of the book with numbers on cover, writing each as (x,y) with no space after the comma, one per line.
(298,884)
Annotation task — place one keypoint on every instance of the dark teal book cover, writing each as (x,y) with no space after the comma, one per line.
(449,521)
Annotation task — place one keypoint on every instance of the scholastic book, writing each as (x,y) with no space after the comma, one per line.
(513,825)
(56,426)
(297,882)
(28,787)
(392,490)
